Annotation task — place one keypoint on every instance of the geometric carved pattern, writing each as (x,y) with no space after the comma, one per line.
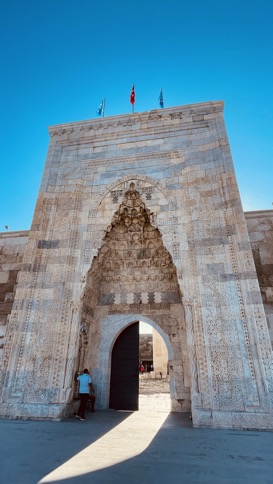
(254,396)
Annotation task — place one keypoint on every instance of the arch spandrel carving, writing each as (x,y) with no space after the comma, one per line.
(140,181)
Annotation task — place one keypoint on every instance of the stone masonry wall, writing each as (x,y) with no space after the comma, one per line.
(88,228)
(260,230)
(12,248)
(160,356)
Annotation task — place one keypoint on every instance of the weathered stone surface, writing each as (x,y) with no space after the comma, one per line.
(260,229)
(139,218)
(12,249)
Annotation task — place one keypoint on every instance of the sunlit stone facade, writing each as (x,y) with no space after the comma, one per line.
(139,218)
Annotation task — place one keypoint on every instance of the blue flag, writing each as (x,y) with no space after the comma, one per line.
(160,99)
(100,110)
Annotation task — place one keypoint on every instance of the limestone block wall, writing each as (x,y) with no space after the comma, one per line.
(12,248)
(259,225)
(145,347)
(160,356)
(260,230)
(70,302)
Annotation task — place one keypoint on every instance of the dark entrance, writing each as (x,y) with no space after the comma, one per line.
(124,370)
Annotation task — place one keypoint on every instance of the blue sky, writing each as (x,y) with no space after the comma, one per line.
(60,58)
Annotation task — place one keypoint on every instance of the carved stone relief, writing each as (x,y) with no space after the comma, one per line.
(134,273)
(133,267)
(140,216)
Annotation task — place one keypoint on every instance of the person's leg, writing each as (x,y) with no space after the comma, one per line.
(81,407)
(85,400)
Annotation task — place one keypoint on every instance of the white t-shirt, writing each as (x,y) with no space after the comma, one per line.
(84,380)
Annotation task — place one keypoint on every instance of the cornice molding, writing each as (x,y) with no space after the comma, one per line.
(259,214)
(105,137)
(166,155)
(107,124)
(14,234)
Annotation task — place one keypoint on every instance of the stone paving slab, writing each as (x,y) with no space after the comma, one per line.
(158,402)
(140,447)
(149,385)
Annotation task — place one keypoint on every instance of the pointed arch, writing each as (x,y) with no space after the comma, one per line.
(112,326)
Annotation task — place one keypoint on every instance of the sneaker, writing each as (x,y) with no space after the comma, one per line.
(82,418)
(77,416)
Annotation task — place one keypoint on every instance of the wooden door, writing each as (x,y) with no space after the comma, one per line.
(124,370)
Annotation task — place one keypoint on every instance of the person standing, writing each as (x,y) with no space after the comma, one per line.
(85,388)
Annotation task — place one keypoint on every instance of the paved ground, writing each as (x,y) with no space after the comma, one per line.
(149,385)
(154,395)
(145,447)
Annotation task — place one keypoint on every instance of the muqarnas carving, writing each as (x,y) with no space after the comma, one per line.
(133,266)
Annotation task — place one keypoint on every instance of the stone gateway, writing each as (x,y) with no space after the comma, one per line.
(139,218)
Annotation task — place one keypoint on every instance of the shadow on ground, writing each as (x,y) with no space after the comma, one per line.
(177,454)
(31,449)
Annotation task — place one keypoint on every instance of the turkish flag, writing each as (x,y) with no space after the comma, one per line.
(132,96)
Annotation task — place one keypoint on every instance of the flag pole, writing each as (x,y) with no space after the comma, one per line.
(103,108)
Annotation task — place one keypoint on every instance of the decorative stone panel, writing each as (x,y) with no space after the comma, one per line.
(139,216)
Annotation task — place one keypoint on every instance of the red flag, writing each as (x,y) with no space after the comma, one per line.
(132,96)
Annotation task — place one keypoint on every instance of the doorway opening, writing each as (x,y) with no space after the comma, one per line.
(154,385)
(139,370)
